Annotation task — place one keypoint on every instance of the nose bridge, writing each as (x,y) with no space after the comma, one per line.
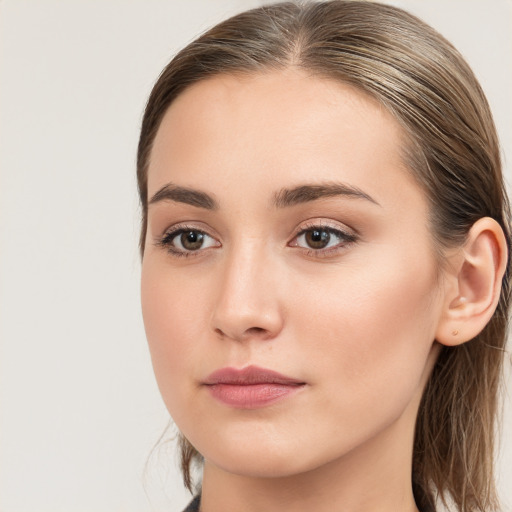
(247,304)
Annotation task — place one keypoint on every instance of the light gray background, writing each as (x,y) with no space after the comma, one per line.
(79,408)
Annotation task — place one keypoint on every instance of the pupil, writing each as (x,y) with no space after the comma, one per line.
(317,239)
(192,240)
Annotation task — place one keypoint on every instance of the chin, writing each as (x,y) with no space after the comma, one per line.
(254,457)
(260,464)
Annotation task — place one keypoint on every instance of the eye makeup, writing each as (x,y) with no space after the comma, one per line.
(187,240)
(318,239)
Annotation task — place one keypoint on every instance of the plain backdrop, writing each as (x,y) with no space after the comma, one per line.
(79,408)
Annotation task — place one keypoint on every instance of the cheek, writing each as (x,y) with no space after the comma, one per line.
(173,324)
(368,333)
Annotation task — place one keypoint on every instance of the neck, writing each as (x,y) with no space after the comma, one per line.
(374,477)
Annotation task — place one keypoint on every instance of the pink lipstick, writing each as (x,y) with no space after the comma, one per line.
(251,387)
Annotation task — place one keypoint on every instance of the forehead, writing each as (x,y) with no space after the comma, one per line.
(275,127)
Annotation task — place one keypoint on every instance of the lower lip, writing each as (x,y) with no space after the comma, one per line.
(252,396)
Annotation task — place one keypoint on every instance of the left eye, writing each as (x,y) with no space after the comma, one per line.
(322,238)
(188,240)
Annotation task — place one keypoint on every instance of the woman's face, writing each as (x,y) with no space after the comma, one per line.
(285,235)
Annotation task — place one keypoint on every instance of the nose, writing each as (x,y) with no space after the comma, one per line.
(248,304)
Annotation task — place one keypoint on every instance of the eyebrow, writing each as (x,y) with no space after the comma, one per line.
(285,198)
(311,192)
(171,192)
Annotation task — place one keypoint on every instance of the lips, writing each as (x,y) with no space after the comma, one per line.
(251,387)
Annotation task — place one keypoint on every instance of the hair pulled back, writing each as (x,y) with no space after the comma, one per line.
(452,151)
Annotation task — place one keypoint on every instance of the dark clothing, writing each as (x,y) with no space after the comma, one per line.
(193,506)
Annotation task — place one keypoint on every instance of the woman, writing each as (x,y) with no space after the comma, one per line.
(325,262)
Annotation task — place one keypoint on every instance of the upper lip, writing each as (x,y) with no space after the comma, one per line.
(249,375)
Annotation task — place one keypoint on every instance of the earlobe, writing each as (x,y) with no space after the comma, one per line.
(470,304)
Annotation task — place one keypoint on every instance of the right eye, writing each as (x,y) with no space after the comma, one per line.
(184,241)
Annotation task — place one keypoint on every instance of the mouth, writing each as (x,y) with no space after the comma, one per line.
(251,387)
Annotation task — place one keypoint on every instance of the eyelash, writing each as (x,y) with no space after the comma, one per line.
(169,236)
(345,238)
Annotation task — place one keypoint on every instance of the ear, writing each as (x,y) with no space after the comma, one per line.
(473,289)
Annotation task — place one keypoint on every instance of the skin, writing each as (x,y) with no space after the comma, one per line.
(355,322)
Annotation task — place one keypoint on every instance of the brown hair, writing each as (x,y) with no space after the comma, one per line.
(452,151)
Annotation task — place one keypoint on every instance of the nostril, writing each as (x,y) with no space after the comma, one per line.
(247,321)
(255,331)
